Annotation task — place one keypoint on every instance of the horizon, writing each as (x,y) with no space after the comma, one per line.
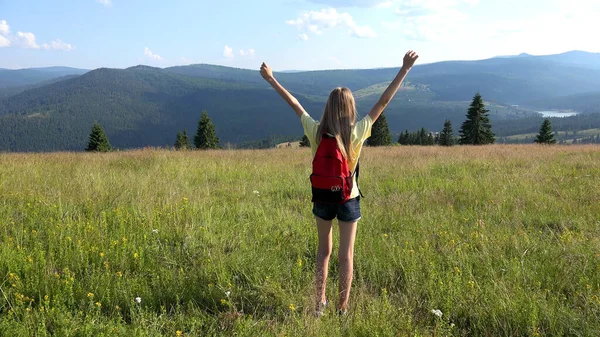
(293,70)
(294,35)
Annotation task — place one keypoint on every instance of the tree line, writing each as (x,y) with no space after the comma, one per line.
(475,130)
(205,138)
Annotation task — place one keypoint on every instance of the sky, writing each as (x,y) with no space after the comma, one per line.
(287,34)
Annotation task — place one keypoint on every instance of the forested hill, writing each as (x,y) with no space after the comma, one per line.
(25,77)
(516,80)
(146,106)
(139,106)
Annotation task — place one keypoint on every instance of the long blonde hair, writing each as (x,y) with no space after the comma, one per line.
(338,119)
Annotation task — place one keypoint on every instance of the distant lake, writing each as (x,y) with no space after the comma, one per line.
(557,114)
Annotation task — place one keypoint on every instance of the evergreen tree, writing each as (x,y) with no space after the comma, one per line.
(98,140)
(447,137)
(186,140)
(403,138)
(179,142)
(304,142)
(430,139)
(477,129)
(545,136)
(206,137)
(422,137)
(183,141)
(380,134)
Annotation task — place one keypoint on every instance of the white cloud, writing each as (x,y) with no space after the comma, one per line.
(303,37)
(552,31)
(58,45)
(352,3)
(4,27)
(431,20)
(364,32)
(385,4)
(228,52)
(4,42)
(316,21)
(27,40)
(249,53)
(149,54)
(106,3)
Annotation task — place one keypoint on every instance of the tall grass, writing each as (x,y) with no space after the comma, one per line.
(503,240)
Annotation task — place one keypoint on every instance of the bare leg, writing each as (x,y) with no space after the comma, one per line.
(346,261)
(323,254)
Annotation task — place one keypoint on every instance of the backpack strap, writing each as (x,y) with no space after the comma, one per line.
(357,172)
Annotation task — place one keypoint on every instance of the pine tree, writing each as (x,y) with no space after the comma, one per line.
(447,136)
(422,137)
(206,137)
(98,140)
(179,142)
(403,138)
(477,129)
(186,140)
(304,142)
(430,139)
(545,136)
(380,134)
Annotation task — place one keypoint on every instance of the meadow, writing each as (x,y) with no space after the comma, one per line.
(503,240)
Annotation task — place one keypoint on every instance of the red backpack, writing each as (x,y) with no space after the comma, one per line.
(331,179)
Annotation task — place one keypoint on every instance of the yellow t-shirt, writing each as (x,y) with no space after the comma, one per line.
(360,132)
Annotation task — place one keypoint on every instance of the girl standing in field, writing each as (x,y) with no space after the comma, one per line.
(339,122)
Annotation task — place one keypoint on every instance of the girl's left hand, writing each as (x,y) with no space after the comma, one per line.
(266,72)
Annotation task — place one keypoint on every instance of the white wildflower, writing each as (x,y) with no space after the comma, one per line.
(138,300)
(227,293)
(437,312)
(155,231)
(256,192)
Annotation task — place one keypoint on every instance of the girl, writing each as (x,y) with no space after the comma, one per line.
(339,121)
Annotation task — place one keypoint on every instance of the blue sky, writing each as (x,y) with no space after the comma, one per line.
(287,34)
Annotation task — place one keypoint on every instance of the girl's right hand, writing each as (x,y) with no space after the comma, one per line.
(266,72)
(409,60)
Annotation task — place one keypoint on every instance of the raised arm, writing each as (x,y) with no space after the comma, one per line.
(267,74)
(388,94)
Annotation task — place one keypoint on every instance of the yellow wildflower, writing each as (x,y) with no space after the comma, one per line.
(90,295)
(292,307)
(178,333)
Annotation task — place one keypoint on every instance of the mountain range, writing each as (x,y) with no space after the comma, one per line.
(51,109)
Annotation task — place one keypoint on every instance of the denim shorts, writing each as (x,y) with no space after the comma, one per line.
(347,212)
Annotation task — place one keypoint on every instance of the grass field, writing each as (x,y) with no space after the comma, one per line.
(503,240)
